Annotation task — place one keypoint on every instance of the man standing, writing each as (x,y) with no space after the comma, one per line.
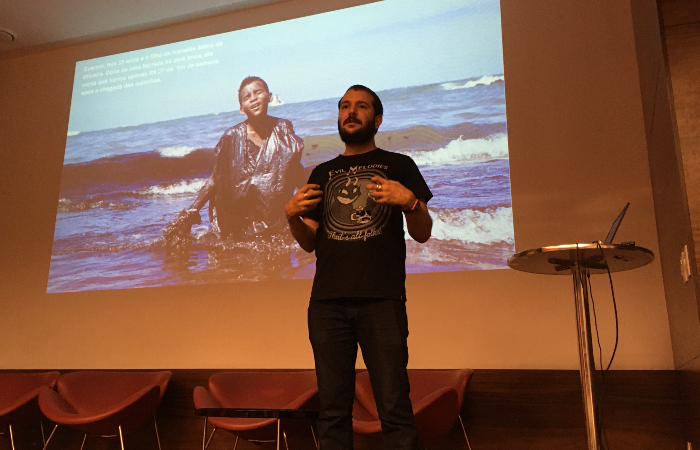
(350,213)
(258,167)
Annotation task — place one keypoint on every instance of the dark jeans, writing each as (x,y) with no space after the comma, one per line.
(380,327)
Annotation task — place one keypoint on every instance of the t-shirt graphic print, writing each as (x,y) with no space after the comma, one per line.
(350,211)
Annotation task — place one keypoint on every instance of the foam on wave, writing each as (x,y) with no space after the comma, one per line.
(73,133)
(66,205)
(474,226)
(184,187)
(485,80)
(176,152)
(461,150)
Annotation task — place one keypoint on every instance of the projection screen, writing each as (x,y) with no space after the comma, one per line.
(144,127)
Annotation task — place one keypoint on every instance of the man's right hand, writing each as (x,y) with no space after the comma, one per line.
(303,201)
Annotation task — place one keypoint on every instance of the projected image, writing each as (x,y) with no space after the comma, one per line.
(180,158)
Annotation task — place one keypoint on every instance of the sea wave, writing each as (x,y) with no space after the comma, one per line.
(138,171)
(66,205)
(461,150)
(410,141)
(150,237)
(134,172)
(184,187)
(474,226)
(176,152)
(485,80)
(73,133)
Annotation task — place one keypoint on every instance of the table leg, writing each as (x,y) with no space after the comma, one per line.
(586,356)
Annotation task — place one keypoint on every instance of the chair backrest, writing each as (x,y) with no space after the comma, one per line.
(423,383)
(93,391)
(257,389)
(13,386)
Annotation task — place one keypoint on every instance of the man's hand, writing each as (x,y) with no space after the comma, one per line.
(388,192)
(303,201)
(303,230)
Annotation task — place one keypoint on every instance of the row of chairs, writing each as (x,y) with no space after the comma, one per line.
(105,403)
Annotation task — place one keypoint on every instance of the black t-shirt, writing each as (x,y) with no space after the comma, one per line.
(360,244)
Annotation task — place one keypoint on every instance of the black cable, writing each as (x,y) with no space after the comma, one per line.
(595,321)
(617,325)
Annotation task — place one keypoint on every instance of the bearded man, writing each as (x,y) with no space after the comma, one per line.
(350,214)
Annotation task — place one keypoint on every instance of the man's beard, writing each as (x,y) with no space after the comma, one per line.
(362,135)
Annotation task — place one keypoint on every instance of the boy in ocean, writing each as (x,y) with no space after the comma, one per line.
(257,169)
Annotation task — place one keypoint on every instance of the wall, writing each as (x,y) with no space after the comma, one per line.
(578,153)
(667,174)
(682,42)
(681,39)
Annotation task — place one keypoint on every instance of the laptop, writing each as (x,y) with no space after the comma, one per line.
(595,261)
(616,225)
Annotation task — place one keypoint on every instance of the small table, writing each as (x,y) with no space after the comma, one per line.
(580,260)
(257,413)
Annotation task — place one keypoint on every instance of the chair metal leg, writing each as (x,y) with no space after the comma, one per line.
(43,438)
(212,435)
(121,438)
(204,436)
(83,444)
(205,441)
(236,444)
(12,438)
(278,434)
(464,430)
(313,434)
(155,424)
(50,436)
(286,444)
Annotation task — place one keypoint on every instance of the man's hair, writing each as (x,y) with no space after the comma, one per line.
(250,79)
(376,103)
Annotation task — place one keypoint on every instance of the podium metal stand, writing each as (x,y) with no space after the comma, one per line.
(579,260)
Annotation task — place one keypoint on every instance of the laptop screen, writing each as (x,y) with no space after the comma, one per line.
(616,225)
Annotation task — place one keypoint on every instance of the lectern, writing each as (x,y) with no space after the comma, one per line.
(579,260)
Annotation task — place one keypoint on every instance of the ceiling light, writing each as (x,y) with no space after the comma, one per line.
(7,36)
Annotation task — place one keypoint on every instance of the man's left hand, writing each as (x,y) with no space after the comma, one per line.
(388,192)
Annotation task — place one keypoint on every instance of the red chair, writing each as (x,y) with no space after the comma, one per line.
(437,397)
(104,403)
(18,399)
(264,390)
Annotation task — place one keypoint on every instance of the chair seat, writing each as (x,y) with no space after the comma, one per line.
(98,403)
(436,396)
(130,413)
(257,389)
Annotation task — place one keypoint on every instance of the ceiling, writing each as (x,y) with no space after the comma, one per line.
(41,24)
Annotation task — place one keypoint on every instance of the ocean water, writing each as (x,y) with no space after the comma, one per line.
(120,187)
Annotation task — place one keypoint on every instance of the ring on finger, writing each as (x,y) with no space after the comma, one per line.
(305,195)
(379,187)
